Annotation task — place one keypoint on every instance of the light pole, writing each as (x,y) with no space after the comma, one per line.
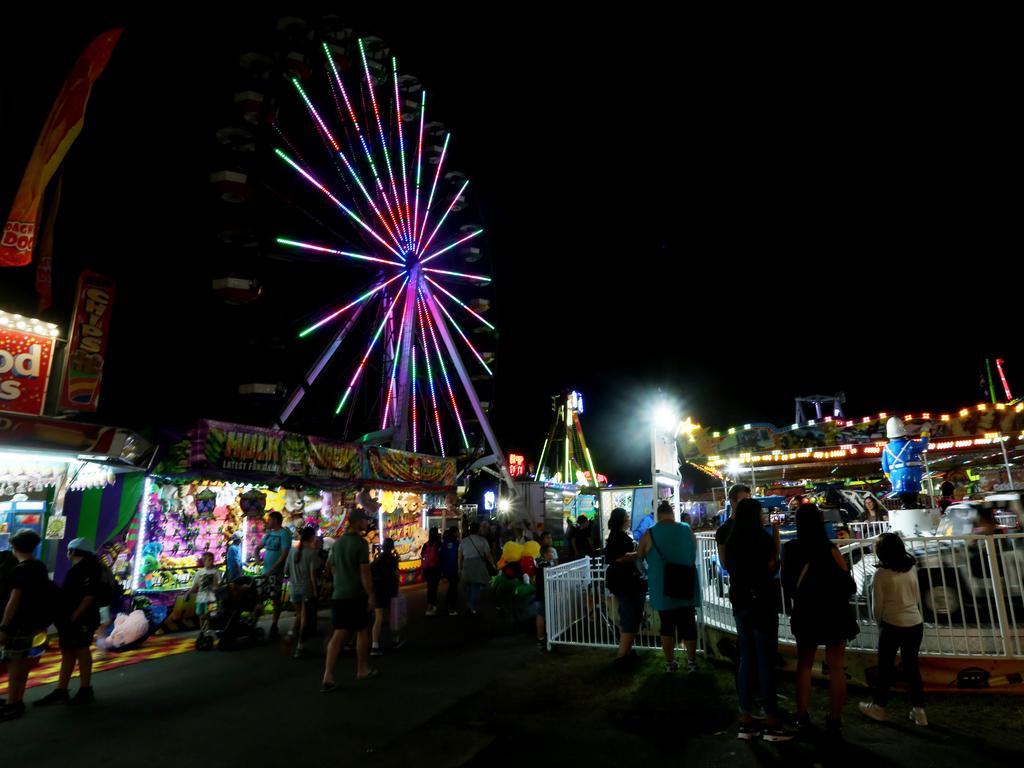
(665,454)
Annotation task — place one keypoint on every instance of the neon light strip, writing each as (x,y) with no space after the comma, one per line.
(430,378)
(456,300)
(401,149)
(394,368)
(419,160)
(447,248)
(447,381)
(312,180)
(352,171)
(365,296)
(323,249)
(380,130)
(451,205)
(433,187)
(414,398)
(314,113)
(430,297)
(1002,376)
(369,349)
(482,278)
(359,133)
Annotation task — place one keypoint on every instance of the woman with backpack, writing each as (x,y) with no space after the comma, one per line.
(817,579)
(82,593)
(897,602)
(430,555)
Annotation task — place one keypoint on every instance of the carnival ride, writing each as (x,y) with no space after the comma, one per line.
(565,457)
(357,159)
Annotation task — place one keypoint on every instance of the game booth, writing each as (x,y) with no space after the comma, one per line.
(220,478)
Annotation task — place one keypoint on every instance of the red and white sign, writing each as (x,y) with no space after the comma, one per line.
(87,346)
(516,465)
(25,358)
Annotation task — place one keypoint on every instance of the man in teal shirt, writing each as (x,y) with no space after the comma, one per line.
(276,545)
(348,564)
(670,542)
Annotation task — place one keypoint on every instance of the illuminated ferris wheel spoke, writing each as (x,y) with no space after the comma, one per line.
(401,150)
(348,254)
(394,369)
(361,136)
(348,211)
(456,299)
(481,278)
(433,186)
(430,378)
(380,131)
(369,349)
(414,423)
(369,198)
(447,381)
(315,115)
(451,205)
(351,304)
(419,161)
(448,247)
(443,308)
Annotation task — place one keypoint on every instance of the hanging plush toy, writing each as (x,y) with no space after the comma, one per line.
(902,462)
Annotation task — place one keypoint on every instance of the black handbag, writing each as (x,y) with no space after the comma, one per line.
(677,579)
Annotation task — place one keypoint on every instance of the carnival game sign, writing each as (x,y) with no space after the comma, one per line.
(385,465)
(83,369)
(237,447)
(24,370)
(328,460)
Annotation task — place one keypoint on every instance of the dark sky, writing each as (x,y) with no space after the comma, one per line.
(732,216)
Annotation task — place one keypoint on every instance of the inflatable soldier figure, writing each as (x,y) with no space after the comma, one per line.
(902,463)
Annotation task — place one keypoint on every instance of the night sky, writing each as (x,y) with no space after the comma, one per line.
(732,217)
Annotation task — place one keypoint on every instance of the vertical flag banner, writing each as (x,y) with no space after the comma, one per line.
(59,133)
(87,343)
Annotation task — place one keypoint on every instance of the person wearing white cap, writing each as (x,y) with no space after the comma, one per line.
(80,617)
(901,460)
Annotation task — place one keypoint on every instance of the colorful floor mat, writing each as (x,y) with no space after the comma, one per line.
(156,647)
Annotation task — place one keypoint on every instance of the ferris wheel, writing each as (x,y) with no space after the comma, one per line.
(356,149)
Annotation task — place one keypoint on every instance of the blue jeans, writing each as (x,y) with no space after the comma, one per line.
(758,636)
(473,595)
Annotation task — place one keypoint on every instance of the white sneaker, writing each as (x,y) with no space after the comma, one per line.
(918,717)
(432,611)
(872,710)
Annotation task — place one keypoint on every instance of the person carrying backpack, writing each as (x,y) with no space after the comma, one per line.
(83,592)
(27,610)
(431,557)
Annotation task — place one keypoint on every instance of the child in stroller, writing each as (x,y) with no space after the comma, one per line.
(239,607)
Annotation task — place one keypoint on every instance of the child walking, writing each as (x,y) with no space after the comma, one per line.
(900,627)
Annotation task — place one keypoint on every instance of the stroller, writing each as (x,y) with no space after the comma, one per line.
(235,620)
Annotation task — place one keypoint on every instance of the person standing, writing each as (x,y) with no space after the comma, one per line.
(450,569)
(277,543)
(624,582)
(737,493)
(348,564)
(430,556)
(753,562)
(582,539)
(897,603)
(301,570)
(670,542)
(233,560)
(817,579)
(25,612)
(474,561)
(79,619)
(385,589)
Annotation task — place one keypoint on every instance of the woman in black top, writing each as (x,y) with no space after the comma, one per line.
(817,580)
(752,559)
(385,589)
(76,627)
(623,580)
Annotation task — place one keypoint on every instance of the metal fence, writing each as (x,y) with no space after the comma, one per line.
(971,588)
(869,530)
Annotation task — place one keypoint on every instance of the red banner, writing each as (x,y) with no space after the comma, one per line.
(24,370)
(87,343)
(59,133)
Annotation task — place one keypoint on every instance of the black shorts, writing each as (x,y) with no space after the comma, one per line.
(350,614)
(679,623)
(75,636)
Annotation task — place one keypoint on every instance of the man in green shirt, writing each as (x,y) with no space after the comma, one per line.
(348,565)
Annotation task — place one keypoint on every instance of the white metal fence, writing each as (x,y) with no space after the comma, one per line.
(972,596)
